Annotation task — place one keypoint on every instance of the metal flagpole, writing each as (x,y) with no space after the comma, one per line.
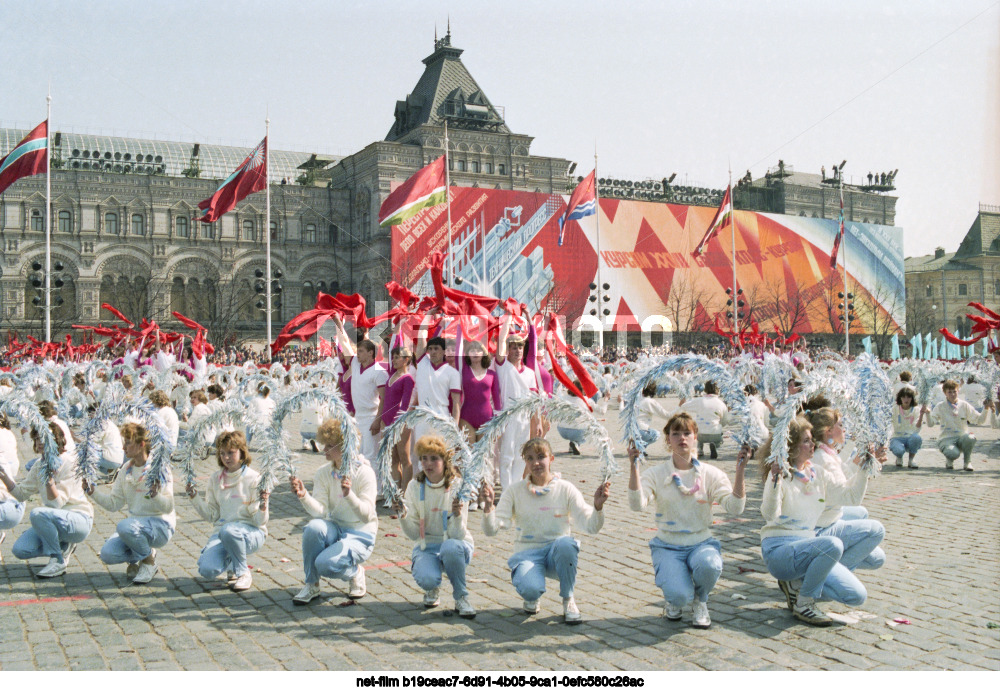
(732,227)
(600,284)
(847,299)
(48,218)
(447,199)
(267,226)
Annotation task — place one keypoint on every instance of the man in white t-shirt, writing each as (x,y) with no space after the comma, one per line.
(367,378)
(516,382)
(438,385)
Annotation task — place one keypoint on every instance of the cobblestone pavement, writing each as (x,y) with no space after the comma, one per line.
(942,576)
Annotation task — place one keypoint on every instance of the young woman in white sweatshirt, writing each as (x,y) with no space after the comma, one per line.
(233,504)
(687,560)
(437,521)
(341,536)
(151,518)
(540,508)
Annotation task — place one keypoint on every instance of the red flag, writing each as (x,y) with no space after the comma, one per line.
(325,349)
(250,177)
(423,189)
(721,219)
(29,157)
(109,308)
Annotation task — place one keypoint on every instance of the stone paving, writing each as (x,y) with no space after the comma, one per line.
(942,576)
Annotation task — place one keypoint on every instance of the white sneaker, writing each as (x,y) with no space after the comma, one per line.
(68,552)
(146,573)
(464,609)
(968,467)
(431,598)
(52,569)
(699,615)
(242,583)
(473,506)
(309,592)
(913,463)
(806,610)
(358,588)
(671,613)
(899,461)
(531,606)
(571,613)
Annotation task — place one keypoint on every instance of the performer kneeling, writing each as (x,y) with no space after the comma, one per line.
(151,519)
(541,506)
(438,521)
(337,542)
(233,504)
(687,560)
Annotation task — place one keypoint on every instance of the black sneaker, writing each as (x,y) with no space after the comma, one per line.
(713,453)
(312,443)
(574,449)
(791,592)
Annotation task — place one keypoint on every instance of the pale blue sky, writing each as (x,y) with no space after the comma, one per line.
(662,87)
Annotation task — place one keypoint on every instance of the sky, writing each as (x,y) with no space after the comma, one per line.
(693,87)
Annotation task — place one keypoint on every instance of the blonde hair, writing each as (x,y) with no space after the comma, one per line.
(159,399)
(796,430)
(433,445)
(232,440)
(822,421)
(682,420)
(537,444)
(330,433)
(134,432)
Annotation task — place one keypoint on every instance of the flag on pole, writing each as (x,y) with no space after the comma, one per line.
(722,218)
(423,189)
(27,158)
(582,203)
(840,233)
(250,177)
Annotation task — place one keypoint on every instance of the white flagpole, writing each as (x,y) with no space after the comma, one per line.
(447,199)
(48,218)
(267,229)
(732,227)
(600,285)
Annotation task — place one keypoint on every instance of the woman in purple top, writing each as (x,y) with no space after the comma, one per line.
(344,382)
(480,391)
(396,397)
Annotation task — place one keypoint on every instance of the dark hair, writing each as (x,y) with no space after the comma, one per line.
(486,359)
(437,341)
(232,440)
(906,391)
(369,346)
(815,402)
(649,390)
(219,392)
(750,390)
(681,420)
(710,387)
(905,376)
(57,434)
(47,409)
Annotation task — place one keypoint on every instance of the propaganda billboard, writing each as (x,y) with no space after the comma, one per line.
(506,244)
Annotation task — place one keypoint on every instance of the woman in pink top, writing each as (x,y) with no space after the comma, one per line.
(396,397)
(344,382)
(480,391)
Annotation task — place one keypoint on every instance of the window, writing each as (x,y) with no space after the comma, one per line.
(138,224)
(310,234)
(274,231)
(460,166)
(473,166)
(488,168)
(208,230)
(111,223)
(996,287)
(65,222)
(334,234)
(249,232)
(930,291)
(501,169)
(183,230)
(963,289)
(37,222)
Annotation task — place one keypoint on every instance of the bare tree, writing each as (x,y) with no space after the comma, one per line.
(873,316)
(785,311)
(682,308)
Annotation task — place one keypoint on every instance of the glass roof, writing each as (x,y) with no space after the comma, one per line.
(150,156)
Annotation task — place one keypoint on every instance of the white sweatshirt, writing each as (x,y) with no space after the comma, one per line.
(842,473)
(682,519)
(709,411)
(9,460)
(232,497)
(356,511)
(904,422)
(955,421)
(790,507)
(129,490)
(171,422)
(542,518)
(435,511)
(69,489)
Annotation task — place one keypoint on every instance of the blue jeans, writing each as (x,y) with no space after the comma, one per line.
(684,573)
(813,560)
(51,532)
(11,513)
(135,539)
(450,556)
(909,444)
(558,559)
(227,549)
(953,447)
(571,434)
(330,551)
(850,536)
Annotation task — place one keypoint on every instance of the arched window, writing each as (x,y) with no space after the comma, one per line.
(334,234)
(37,220)
(178,297)
(183,230)
(274,231)
(308,297)
(108,289)
(310,235)
(65,222)
(111,223)
(501,169)
(249,231)
(138,225)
